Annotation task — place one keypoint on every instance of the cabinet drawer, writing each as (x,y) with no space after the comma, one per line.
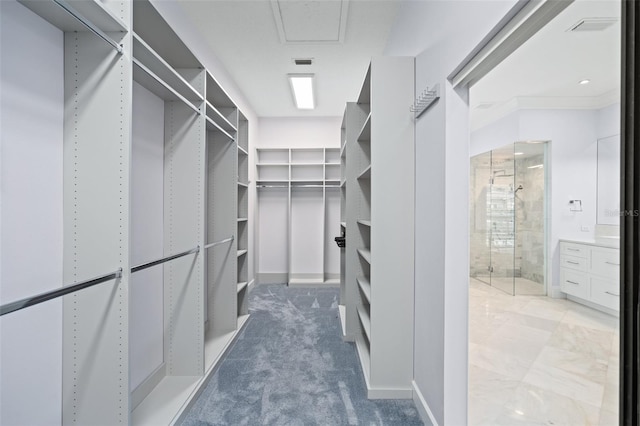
(574,282)
(605,262)
(606,292)
(573,262)
(572,249)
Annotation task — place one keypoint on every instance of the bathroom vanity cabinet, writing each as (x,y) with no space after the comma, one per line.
(590,274)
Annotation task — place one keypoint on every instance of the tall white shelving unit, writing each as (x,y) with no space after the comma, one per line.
(198,141)
(308,181)
(379,258)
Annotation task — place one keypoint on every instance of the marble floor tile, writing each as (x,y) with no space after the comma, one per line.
(532,405)
(576,338)
(608,418)
(561,357)
(493,360)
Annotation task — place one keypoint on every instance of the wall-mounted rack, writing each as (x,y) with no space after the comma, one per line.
(425,100)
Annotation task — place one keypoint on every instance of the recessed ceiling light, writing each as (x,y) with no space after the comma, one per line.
(302,88)
(585,81)
(518,153)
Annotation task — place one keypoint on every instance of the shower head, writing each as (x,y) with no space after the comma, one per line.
(518,189)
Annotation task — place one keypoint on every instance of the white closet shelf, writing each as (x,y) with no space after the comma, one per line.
(242,319)
(307,164)
(343,183)
(221,120)
(365,222)
(343,150)
(342,310)
(365,133)
(365,254)
(166,399)
(332,164)
(242,252)
(161,68)
(242,219)
(246,185)
(241,150)
(365,321)
(93,11)
(365,286)
(366,173)
(212,126)
(146,78)
(241,286)
(365,359)
(272,164)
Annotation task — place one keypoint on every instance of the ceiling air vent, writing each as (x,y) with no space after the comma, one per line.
(307,61)
(593,24)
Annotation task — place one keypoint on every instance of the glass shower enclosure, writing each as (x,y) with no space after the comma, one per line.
(507,218)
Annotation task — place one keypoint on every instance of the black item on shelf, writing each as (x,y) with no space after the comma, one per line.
(340,241)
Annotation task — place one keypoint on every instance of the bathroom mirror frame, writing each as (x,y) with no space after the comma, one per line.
(608,181)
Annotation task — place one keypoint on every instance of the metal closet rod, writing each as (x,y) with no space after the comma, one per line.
(217,243)
(164,259)
(90,26)
(54,294)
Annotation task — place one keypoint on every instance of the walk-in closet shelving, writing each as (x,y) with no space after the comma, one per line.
(343,224)
(379,252)
(145,142)
(65,192)
(307,182)
(242,230)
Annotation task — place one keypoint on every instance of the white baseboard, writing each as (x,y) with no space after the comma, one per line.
(145,388)
(272,277)
(423,408)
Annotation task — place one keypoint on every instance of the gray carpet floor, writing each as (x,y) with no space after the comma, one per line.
(290,367)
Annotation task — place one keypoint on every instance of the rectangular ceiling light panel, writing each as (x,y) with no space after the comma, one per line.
(302,88)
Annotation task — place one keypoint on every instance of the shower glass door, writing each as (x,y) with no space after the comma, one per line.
(480,220)
(501,214)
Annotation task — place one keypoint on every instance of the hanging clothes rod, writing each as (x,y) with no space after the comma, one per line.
(53,294)
(164,259)
(90,26)
(217,243)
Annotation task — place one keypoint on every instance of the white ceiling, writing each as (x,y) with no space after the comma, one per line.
(257,41)
(545,71)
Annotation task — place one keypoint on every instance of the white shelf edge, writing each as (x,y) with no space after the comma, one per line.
(218,114)
(244,185)
(365,321)
(241,285)
(365,286)
(342,310)
(243,219)
(365,222)
(365,254)
(216,127)
(366,173)
(92,11)
(242,150)
(175,96)
(273,164)
(242,252)
(365,131)
(167,67)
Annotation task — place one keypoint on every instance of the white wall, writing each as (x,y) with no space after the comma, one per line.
(173,13)
(273,225)
(441,34)
(147,230)
(31,111)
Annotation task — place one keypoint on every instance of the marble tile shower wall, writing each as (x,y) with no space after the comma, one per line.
(526,258)
(529,217)
(480,257)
